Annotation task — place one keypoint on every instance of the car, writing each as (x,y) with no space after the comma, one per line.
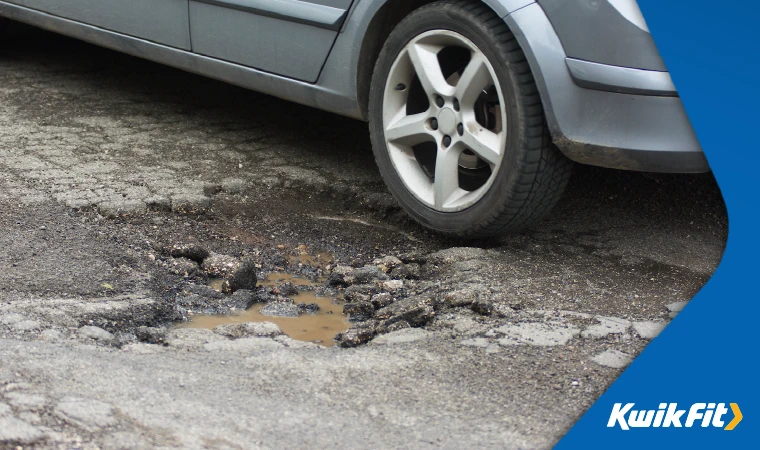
(477,109)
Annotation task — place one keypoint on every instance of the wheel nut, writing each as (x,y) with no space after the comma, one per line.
(456,105)
(439,101)
(446,141)
(434,124)
(400,87)
(460,129)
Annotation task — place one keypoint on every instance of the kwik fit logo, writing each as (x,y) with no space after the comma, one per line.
(668,415)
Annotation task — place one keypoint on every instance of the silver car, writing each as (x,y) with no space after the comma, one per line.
(477,108)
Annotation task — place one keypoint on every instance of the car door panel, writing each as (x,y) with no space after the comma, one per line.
(286,37)
(161,21)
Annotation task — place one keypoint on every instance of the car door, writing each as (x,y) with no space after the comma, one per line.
(287,37)
(161,21)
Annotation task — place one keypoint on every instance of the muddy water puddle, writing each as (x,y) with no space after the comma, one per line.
(320,327)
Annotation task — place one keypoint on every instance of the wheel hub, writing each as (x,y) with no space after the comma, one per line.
(447,121)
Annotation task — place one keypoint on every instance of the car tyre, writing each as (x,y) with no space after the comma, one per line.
(522,174)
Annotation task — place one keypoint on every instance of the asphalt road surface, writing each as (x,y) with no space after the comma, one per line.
(110,166)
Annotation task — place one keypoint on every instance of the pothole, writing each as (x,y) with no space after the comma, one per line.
(318,320)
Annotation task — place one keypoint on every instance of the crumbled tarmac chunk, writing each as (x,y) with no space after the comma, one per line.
(15,431)
(393,286)
(460,297)
(387,263)
(91,415)
(336,279)
(158,203)
(241,299)
(649,329)
(26,401)
(244,345)
(368,274)
(485,308)
(477,342)
(415,310)
(114,209)
(193,252)
(287,289)
(354,337)
(190,204)
(402,336)
(677,307)
(612,358)
(52,335)
(455,254)
(542,334)
(359,311)
(381,300)
(26,325)
(400,271)
(96,334)
(248,329)
(384,328)
(244,277)
(220,266)
(280,309)
(183,267)
(310,308)
(211,189)
(233,185)
(151,335)
(605,327)
(360,292)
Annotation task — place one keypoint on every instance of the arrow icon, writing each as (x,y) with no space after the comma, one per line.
(737,417)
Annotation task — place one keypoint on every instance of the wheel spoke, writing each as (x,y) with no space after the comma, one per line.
(482,142)
(446,182)
(473,81)
(425,61)
(409,130)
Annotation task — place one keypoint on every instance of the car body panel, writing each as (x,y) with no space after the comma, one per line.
(161,21)
(600,114)
(618,37)
(286,37)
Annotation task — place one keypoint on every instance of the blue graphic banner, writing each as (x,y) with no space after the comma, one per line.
(706,360)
